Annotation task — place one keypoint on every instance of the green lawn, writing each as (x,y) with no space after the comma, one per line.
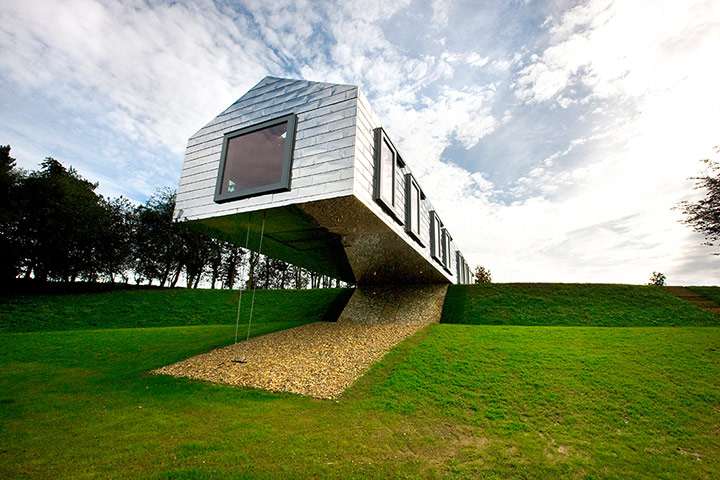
(592,305)
(459,401)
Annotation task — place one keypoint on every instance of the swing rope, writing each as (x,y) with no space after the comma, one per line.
(240,290)
(252,302)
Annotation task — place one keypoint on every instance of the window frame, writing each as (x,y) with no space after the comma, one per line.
(460,262)
(446,250)
(436,227)
(389,205)
(285,179)
(410,182)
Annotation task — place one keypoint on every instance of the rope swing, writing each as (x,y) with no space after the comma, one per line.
(252,302)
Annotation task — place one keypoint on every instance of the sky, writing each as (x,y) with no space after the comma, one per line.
(553,137)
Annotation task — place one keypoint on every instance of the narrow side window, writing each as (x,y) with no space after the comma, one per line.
(413,199)
(435,236)
(387,164)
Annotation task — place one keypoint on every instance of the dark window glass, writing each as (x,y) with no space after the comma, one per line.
(256,160)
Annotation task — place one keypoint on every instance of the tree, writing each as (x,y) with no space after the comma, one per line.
(657,279)
(704,215)
(10,245)
(232,261)
(215,259)
(157,243)
(195,255)
(482,275)
(59,224)
(116,233)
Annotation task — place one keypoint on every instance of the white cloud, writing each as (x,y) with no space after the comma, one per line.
(153,71)
(646,70)
(440,12)
(424,132)
(640,74)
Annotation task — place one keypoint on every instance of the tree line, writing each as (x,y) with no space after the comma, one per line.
(55,227)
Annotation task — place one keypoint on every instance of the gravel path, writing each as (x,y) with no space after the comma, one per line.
(321,359)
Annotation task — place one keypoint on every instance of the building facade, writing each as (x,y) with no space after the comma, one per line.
(304,172)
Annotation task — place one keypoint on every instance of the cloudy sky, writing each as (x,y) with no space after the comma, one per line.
(554,137)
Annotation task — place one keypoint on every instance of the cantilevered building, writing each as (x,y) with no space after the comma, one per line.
(308,167)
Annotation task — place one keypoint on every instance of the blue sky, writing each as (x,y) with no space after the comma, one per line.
(554,137)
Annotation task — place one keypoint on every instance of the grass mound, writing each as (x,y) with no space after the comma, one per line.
(133,308)
(592,305)
(711,293)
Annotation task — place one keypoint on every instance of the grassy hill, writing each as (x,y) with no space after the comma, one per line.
(478,400)
(154,307)
(711,293)
(592,305)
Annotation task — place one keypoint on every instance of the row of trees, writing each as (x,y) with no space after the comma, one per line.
(54,226)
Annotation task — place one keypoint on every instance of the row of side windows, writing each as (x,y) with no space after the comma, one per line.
(387,167)
(464,274)
(440,242)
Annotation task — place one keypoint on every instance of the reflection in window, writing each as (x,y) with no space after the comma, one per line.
(256,160)
(387,174)
(413,196)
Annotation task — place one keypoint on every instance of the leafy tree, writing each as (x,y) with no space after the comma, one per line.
(300,278)
(158,243)
(657,279)
(195,255)
(704,215)
(273,273)
(10,245)
(59,225)
(482,275)
(232,262)
(215,261)
(115,256)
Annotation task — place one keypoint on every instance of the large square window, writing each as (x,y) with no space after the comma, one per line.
(387,163)
(256,160)
(413,199)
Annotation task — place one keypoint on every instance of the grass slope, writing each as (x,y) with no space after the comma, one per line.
(571,305)
(711,293)
(130,308)
(458,401)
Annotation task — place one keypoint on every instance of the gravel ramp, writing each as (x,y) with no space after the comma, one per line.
(322,359)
